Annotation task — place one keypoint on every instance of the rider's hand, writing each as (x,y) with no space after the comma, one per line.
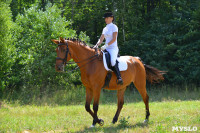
(96,46)
(104,46)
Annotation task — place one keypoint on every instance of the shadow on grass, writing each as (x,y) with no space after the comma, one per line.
(112,128)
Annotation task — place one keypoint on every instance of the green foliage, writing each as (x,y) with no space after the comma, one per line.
(86,16)
(165,34)
(124,122)
(168,40)
(84,37)
(17,6)
(7,49)
(34,68)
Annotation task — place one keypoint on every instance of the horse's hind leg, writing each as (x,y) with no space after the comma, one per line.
(141,86)
(120,97)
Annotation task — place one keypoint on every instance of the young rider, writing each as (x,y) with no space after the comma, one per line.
(110,33)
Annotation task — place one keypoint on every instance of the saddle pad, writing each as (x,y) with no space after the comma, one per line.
(122,63)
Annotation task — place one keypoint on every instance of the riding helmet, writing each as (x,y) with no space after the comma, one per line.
(108,14)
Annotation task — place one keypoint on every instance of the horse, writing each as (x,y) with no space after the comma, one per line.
(93,75)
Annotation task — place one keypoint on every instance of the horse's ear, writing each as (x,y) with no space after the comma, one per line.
(55,41)
(61,39)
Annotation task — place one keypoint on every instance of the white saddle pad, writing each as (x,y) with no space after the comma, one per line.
(122,63)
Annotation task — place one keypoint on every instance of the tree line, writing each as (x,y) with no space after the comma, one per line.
(164,33)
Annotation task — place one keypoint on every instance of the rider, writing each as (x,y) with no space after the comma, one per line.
(110,33)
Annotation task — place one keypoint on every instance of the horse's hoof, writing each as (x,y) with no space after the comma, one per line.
(146,121)
(114,120)
(92,126)
(101,123)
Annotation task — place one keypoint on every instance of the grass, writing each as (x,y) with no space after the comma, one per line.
(169,107)
(74,118)
(76,95)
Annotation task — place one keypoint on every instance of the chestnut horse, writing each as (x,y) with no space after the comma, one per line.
(93,75)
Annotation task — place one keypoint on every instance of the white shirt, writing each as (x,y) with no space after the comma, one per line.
(108,34)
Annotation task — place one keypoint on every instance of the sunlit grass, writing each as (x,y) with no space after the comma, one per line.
(74,118)
(64,111)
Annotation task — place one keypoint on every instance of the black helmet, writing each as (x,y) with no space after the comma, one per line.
(108,14)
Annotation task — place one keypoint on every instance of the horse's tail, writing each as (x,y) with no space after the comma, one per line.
(154,75)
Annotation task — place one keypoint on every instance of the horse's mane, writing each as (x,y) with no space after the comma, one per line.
(78,40)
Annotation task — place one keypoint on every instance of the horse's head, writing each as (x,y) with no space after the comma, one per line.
(63,54)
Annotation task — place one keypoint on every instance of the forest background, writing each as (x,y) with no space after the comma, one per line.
(163,33)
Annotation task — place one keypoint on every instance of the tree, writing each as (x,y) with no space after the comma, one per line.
(36,53)
(167,40)
(7,49)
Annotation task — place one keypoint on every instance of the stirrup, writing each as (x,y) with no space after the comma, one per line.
(119,81)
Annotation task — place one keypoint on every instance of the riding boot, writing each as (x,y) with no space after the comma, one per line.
(117,72)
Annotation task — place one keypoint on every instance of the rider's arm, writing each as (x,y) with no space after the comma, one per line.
(114,38)
(100,40)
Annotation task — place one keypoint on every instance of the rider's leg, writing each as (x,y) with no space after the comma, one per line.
(117,72)
(113,53)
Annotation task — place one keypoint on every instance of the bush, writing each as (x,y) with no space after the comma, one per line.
(7,49)
(34,69)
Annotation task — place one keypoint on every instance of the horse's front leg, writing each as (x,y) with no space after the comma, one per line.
(89,97)
(96,95)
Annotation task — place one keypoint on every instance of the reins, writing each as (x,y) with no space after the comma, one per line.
(83,60)
(65,59)
(82,65)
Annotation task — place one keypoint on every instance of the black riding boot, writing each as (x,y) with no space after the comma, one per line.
(117,72)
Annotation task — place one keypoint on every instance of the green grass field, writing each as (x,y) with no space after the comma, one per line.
(168,109)
(74,118)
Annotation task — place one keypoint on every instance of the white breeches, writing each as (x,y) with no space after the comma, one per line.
(113,53)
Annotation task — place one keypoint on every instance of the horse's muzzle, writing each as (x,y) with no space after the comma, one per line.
(60,68)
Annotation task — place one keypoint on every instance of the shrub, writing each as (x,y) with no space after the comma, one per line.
(7,49)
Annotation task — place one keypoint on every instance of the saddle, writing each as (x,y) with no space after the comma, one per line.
(121,62)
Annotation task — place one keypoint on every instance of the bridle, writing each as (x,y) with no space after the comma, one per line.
(67,51)
(66,55)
